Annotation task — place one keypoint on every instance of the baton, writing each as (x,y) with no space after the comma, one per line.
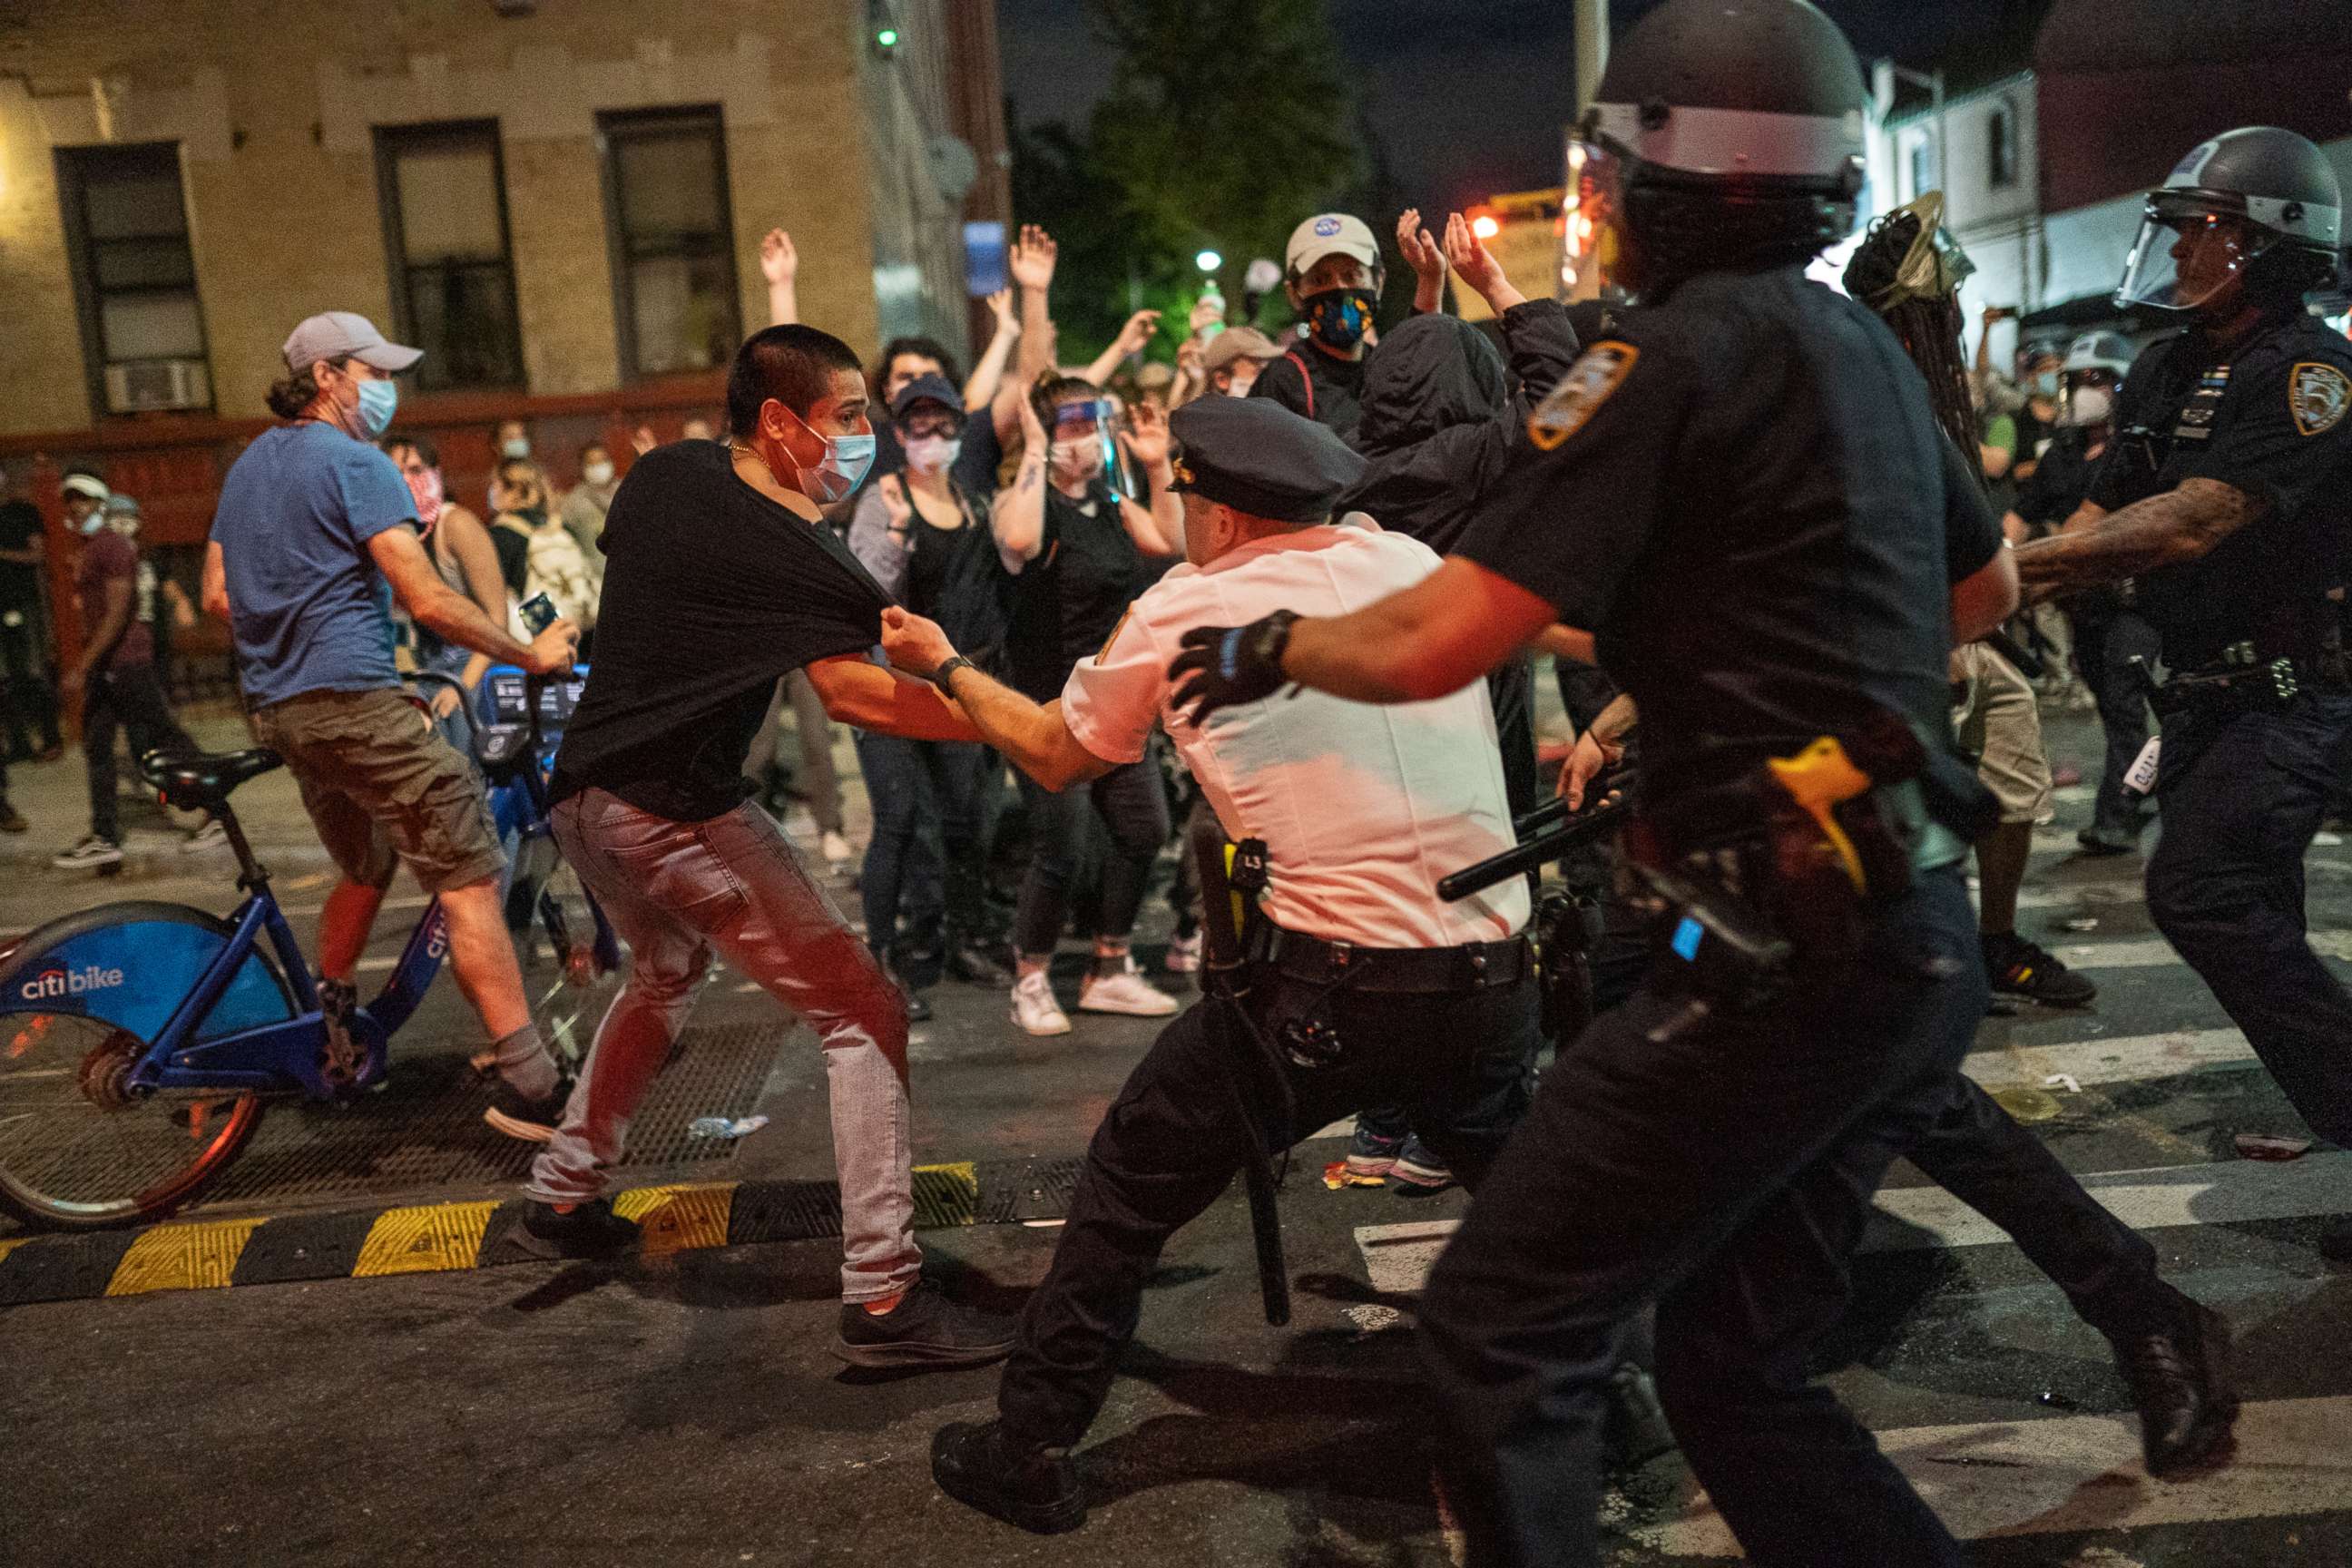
(1593,822)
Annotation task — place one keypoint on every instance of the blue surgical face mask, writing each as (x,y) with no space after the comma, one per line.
(2046,384)
(843,470)
(515,446)
(377,401)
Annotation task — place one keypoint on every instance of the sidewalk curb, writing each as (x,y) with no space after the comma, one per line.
(356,1243)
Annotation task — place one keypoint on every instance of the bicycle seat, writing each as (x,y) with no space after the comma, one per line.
(200,781)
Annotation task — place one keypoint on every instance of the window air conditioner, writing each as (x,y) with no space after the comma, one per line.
(141,386)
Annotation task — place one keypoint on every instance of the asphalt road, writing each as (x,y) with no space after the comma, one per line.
(686,1411)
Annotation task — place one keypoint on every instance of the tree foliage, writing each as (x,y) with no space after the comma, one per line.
(1226,122)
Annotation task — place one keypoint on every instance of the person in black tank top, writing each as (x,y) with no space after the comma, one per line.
(1075,548)
(925,540)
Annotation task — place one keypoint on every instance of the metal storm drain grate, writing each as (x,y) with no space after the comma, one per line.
(424,1131)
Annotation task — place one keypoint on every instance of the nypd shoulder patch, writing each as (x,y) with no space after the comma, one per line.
(2318,393)
(1589,383)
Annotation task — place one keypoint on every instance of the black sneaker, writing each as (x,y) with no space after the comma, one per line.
(925,1329)
(518,1115)
(588,1229)
(2019,968)
(2179,1379)
(2102,841)
(975,965)
(979,1465)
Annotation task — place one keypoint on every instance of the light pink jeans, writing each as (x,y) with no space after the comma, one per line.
(677,892)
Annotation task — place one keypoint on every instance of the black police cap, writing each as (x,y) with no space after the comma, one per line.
(1257,456)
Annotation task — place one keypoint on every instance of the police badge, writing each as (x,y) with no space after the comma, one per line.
(2318,393)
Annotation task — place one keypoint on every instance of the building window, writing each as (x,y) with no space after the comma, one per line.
(126,221)
(445,215)
(2000,148)
(673,245)
(1918,164)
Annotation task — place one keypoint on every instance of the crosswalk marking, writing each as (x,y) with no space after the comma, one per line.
(2083,1473)
(2150,952)
(1398,1258)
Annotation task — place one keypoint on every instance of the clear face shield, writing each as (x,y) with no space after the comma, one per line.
(2185,255)
(1592,250)
(1085,443)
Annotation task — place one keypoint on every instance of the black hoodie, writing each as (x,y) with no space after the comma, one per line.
(1440,416)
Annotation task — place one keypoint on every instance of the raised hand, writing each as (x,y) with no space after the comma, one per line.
(1008,319)
(1136,335)
(777,259)
(1031,259)
(642,440)
(1470,255)
(1420,251)
(1147,434)
(897,510)
(914,644)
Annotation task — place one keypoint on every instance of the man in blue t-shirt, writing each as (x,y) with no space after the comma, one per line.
(315,536)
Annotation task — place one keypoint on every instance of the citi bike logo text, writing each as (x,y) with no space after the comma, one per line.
(50,983)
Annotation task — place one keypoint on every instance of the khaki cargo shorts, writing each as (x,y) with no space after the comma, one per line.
(1997,724)
(382,786)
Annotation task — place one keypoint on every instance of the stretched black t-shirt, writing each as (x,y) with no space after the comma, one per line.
(1068,602)
(712,594)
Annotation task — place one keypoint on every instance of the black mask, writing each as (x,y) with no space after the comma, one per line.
(1338,316)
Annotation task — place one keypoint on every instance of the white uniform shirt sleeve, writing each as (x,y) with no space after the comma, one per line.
(1112,700)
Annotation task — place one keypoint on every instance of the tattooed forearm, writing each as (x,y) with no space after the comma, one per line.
(2179,525)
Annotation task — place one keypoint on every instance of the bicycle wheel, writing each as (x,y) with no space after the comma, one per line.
(79,1153)
(80,1000)
(570,996)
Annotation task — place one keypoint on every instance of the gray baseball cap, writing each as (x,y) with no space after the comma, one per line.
(332,334)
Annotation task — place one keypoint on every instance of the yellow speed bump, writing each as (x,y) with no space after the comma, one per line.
(424,1240)
(682,1217)
(947,1194)
(183,1256)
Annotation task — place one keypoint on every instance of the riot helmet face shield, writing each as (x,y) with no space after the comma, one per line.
(2187,256)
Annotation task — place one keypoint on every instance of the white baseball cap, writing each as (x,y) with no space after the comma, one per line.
(332,334)
(88,485)
(1326,233)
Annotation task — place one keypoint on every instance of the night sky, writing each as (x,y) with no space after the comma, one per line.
(1467,96)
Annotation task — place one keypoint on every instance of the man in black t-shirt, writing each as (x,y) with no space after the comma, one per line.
(25,695)
(721,578)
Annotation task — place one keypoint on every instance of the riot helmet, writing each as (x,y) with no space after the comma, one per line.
(1725,134)
(2261,204)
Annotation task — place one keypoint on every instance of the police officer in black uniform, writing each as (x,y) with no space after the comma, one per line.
(2224,495)
(1744,494)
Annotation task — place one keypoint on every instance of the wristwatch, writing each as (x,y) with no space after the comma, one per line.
(946,672)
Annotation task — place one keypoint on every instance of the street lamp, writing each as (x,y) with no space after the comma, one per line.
(1208,261)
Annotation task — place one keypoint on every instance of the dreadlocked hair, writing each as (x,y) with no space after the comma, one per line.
(1929,327)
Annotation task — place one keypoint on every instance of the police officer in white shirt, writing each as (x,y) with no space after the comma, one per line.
(1364,985)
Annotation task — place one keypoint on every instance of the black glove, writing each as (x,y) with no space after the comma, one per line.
(1224,665)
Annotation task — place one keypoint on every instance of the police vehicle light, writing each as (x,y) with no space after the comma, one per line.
(1485,227)
(1208,261)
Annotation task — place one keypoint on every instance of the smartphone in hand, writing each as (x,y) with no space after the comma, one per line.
(538,613)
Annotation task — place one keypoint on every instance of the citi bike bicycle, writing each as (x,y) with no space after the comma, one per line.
(141,1041)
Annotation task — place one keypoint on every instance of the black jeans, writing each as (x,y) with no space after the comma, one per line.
(1720,1165)
(129,698)
(2105,640)
(25,680)
(1169,1145)
(927,846)
(2243,795)
(1132,806)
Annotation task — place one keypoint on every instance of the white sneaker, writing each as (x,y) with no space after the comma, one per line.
(90,853)
(837,852)
(1126,992)
(1183,954)
(211,835)
(1035,1008)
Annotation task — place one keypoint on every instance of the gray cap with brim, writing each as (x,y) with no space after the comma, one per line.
(332,334)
